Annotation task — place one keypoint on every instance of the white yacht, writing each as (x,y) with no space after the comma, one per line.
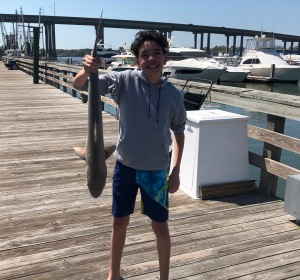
(292,59)
(125,60)
(185,63)
(260,57)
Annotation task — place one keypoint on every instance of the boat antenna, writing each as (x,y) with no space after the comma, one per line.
(262,29)
(94,51)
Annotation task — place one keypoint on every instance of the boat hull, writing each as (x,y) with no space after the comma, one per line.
(282,74)
(187,73)
(234,76)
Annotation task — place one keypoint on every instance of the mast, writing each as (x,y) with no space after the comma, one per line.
(4,34)
(42,31)
(24,45)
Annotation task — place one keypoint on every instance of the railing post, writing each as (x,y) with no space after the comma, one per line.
(65,89)
(268,181)
(36,38)
(57,85)
(74,94)
(84,98)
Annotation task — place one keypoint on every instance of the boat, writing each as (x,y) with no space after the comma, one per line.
(292,59)
(106,53)
(234,73)
(14,53)
(125,60)
(9,58)
(265,63)
(185,63)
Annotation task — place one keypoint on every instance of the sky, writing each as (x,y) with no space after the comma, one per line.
(267,15)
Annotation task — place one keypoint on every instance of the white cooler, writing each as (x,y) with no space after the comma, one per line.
(215,150)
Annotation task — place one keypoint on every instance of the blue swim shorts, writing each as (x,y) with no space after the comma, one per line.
(153,188)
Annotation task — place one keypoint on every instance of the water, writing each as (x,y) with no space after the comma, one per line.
(75,60)
(292,127)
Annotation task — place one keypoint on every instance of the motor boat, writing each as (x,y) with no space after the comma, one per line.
(234,73)
(263,61)
(14,52)
(186,63)
(193,68)
(125,60)
(105,53)
(292,59)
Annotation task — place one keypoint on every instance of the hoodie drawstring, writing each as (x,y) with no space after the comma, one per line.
(149,106)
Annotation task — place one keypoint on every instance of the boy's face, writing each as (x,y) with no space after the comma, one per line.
(151,60)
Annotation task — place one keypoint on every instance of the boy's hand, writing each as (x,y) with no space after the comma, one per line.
(174,182)
(91,64)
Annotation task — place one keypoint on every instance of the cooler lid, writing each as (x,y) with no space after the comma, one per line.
(213,115)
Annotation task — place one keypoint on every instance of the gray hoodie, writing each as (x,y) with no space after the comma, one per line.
(146,115)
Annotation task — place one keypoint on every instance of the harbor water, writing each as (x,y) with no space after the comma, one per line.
(292,127)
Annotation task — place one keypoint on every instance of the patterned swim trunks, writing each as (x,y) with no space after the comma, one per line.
(153,187)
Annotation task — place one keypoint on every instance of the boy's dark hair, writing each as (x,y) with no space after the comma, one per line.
(149,35)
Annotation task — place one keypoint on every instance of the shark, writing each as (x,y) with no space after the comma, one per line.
(95,153)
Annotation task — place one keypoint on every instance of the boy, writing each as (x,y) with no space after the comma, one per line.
(149,107)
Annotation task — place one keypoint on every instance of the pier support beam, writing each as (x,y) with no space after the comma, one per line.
(292,47)
(234,45)
(201,41)
(208,43)
(284,47)
(54,55)
(241,45)
(227,44)
(101,33)
(50,41)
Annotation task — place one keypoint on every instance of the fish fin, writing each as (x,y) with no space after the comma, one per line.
(80,151)
(109,151)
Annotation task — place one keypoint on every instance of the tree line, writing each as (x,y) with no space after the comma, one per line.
(72,53)
(213,51)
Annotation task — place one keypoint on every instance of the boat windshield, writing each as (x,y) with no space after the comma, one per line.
(125,59)
(103,47)
(260,43)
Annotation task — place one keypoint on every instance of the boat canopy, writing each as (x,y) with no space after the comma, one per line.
(14,52)
(181,53)
(124,59)
(260,43)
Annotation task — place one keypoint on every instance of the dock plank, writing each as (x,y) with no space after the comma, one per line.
(51,228)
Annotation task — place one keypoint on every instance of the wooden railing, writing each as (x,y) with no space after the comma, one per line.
(60,76)
(277,107)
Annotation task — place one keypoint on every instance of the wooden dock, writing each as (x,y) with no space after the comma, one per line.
(51,228)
